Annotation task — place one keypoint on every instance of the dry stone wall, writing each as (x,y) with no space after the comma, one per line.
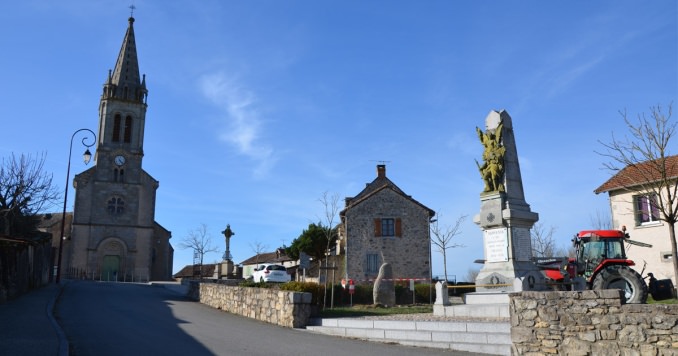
(590,323)
(284,308)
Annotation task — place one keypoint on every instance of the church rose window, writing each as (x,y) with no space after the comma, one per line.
(116,205)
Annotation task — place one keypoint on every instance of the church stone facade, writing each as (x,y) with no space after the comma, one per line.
(114,235)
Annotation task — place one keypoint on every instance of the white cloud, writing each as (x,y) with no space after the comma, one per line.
(244,125)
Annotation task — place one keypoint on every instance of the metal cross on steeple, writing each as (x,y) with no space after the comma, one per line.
(131,10)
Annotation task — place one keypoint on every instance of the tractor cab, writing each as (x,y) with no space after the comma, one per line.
(599,248)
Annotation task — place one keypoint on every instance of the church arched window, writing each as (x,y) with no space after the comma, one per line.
(128,129)
(116,205)
(118,175)
(117,121)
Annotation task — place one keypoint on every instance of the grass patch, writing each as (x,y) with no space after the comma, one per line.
(367,310)
(665,301)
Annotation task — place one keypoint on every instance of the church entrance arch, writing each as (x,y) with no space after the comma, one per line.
(110,268)
(112,253)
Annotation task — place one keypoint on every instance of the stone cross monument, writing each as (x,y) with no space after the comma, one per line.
(227,263)
(504,217)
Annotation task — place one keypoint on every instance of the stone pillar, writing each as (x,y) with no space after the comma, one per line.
(442,298)
(227,269)
(505,217)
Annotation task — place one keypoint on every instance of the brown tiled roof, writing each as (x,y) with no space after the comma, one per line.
(267,257)
(641,173)
(377,185)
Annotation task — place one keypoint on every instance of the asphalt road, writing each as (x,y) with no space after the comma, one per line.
(136,319)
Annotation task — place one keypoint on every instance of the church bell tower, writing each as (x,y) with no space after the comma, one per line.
(114,233)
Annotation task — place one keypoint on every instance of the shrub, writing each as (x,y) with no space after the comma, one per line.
(250,283)
(424,293)
(315,289)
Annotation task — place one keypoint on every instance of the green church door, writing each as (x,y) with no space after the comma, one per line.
(111,268)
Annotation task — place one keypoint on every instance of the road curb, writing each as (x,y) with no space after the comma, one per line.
(63,341)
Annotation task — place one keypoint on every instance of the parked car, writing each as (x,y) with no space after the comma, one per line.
(271,273)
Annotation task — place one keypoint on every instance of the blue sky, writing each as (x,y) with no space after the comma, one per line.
(258,107)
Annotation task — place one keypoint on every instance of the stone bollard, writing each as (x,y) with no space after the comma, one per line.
(441,294)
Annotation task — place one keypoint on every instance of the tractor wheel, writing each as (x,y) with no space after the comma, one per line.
(624,278)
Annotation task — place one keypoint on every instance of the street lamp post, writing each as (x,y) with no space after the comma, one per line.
(86,157)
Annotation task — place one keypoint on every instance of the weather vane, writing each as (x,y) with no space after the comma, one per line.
(131,10)
(380,161)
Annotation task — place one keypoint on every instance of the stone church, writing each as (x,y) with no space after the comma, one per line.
(114,234)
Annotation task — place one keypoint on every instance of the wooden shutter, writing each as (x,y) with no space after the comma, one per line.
(398,227)
(377,227)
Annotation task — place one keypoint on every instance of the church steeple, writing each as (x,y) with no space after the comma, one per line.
(122,109)
(124,82)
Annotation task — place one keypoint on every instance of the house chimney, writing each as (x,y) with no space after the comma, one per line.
(381,171)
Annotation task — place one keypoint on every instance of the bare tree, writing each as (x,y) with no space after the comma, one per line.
(25,190)
(645,165)
(201,242)
(543,244)
(472,274)
(441,237)
(331,207)
(601,221)
(258,248)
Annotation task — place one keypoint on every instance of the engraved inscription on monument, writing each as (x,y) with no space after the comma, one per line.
(496,245)
(522,245)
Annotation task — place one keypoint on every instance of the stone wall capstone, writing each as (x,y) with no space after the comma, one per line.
(592,322)
(284,308)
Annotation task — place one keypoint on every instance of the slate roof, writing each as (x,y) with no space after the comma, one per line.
(378,184)
(642,173)
(267,257)
(187,271)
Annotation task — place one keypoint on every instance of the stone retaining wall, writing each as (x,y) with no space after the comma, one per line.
(284,308)
(590,323)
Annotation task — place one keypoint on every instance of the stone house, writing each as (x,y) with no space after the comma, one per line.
(383,224)
(632,204)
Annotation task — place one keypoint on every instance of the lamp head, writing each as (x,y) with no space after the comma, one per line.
(87,156)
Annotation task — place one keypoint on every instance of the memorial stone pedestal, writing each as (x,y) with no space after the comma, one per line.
(505,217)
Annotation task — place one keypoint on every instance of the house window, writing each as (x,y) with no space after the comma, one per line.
(667,256)
(646,209)
(388,227)
(116,206)
(372,263)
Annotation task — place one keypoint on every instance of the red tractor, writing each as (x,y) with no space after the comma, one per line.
(600,263)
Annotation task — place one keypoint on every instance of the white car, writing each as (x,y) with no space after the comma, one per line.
(270,273)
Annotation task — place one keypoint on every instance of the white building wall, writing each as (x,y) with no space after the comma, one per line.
(656,233)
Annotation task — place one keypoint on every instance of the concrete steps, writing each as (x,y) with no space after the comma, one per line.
(480,336)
